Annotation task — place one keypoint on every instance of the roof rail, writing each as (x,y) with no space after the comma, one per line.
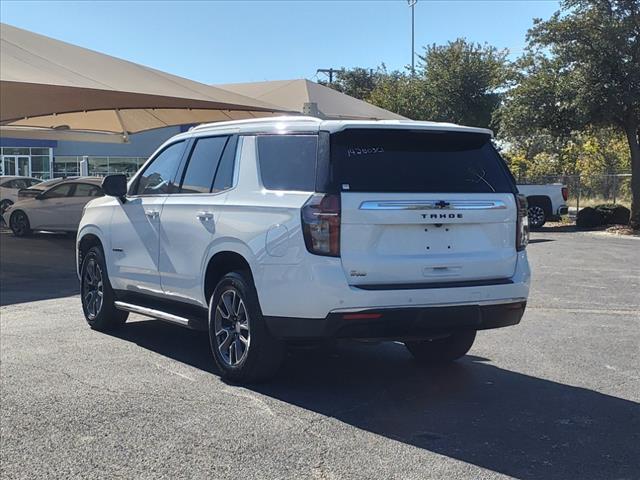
(287,118)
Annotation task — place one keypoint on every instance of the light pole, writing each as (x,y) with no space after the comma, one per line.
(412,4)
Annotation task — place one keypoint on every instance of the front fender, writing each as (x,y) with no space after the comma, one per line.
(89,226)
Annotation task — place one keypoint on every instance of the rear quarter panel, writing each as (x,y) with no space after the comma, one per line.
(261,225)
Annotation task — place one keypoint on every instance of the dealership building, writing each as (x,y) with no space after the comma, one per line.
(47,159)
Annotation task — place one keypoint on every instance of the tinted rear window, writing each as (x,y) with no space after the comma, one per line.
(412,161)
(203,164)
(288,162)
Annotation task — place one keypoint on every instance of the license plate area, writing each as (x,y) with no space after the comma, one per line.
(420,239)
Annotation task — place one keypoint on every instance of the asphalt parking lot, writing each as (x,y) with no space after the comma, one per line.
(556,397)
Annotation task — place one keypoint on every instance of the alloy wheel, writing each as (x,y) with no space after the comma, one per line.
(92,288)
(231,323)
(536,216)
(19,223)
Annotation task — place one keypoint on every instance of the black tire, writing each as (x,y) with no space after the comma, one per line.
(251,354)
(4,204)
(94,278)
(19,224)
(537,216)
(442,350)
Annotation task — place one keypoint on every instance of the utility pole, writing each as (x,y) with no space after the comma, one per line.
(328,71)
(412,4)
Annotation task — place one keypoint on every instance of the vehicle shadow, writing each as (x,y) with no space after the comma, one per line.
(501,420)
(557,228)
(38,267)
(541,240)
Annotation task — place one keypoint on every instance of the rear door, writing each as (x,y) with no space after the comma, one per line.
(423,207)
(190,216)
(70,211)
(45,211)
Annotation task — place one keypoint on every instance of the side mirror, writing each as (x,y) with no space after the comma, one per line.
(115,185)
(39,196)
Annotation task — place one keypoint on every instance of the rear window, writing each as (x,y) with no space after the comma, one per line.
(203,164)
(288,162)
(414,161)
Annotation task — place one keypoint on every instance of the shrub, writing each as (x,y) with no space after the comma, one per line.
(614,214)
(589,218)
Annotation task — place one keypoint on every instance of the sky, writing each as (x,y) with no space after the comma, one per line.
(244,41)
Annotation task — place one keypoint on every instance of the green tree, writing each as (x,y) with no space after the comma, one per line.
(357,82)
(583,70)
(462,81)
(401,93)
(539,102)
(458,82)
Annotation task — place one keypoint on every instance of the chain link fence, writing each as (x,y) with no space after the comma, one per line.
(589,190)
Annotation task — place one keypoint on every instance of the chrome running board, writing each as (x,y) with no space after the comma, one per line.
(150,312)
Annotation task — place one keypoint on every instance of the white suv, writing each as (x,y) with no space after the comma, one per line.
(269,231)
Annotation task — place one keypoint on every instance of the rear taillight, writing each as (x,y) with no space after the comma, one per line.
(321,224)
(522,227)
(565,193)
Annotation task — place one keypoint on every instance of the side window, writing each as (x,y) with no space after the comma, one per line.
(203,164)
(159,176)
(19,183)
(288,162)
(59,191)
(224,177)
(87,190)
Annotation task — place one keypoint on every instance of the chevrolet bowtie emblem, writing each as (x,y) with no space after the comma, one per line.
(441,204)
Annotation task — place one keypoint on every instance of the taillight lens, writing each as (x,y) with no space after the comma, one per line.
(522,227)
(321,224)
(565,193)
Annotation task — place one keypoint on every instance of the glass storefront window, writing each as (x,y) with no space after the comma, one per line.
(39,151)
(26,161)
(126,165)
(40,166)
(8,166)
(16,151)
(98,166)
(66,167)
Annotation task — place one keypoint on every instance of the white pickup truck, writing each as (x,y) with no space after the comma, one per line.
(546,202)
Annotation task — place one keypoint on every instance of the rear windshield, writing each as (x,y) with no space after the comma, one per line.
(414,161)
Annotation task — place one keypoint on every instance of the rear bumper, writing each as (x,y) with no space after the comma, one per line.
(399,323)
(316,288)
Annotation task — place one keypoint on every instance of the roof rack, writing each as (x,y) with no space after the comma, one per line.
(287,118)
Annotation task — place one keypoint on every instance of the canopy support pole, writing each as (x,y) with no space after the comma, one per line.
(125,134)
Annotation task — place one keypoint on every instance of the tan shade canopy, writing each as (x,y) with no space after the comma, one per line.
(51,84)
(294,94)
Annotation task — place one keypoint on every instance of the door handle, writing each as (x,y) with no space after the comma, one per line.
(204,216)
(152,213)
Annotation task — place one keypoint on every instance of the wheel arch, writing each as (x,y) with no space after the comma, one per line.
(87,238)
(542,201)
(16,211)
(221,263)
